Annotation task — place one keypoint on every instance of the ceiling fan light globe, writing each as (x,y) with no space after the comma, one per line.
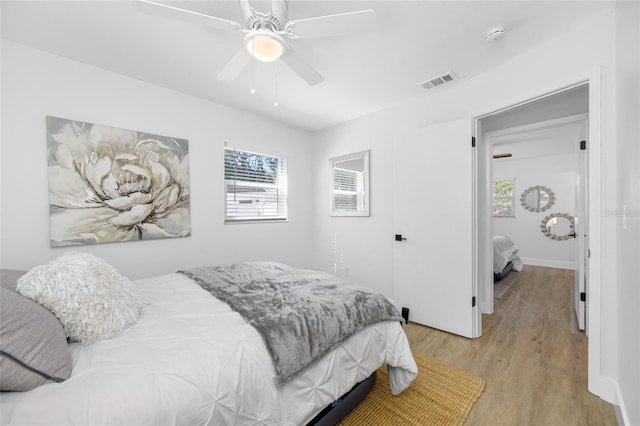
(265,46)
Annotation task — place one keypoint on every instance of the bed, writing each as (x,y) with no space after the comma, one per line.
(505,257)
(190,359)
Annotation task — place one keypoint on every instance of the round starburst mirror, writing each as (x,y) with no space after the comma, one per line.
(537,198)
(558,226)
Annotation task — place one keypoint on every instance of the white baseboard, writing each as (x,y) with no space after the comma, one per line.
(620,408)
(549,263)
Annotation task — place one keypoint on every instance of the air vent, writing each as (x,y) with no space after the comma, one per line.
(438,81)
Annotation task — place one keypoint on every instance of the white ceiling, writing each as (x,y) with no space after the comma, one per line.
(533,130)
(546,142)
(413,41)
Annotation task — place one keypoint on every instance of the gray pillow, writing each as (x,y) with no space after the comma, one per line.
(9,278)
(33,346)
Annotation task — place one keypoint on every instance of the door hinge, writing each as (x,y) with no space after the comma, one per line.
(583,145)
(583,297)
(473,301)
(473,141)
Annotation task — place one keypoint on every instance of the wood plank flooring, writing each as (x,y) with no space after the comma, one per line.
(531,354)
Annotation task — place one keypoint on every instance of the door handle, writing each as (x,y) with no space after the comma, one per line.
(399,237)
(573,234)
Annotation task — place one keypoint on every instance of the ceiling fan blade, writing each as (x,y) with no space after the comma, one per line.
(333,25)
(166,11)
(302,67)
(237,63)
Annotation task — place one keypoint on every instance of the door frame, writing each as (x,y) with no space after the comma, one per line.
(581,279)
(486,303)
(598,383)
(488,138)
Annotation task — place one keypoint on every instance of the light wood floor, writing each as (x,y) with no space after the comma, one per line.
(531,354)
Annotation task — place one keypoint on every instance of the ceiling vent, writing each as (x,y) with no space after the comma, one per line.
(439,80)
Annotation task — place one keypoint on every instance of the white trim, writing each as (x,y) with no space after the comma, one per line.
(483,221)
(476,267)
(535,96)
(622,408)
(549,263)
(598,384)
(540,125)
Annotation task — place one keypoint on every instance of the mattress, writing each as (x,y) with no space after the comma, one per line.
(191,360)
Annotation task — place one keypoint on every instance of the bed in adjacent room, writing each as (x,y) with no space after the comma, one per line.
(505,257)
(193,357)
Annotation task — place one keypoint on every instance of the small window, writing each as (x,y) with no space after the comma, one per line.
(504,197)
(255,187)
(350,185)
(348,188)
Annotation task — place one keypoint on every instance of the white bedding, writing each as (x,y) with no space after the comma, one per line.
(191,360)
(505,251)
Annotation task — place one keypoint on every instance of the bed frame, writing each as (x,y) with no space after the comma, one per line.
(503,273)
(342,406)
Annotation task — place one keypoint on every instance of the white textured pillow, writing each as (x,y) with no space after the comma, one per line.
(92,300)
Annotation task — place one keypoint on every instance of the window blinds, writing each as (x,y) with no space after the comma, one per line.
(348,190)
(255,186)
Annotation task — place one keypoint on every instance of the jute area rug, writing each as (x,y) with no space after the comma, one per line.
(441,395)
(500,288)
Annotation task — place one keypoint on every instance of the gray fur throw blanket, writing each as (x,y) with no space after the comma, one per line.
(301,314)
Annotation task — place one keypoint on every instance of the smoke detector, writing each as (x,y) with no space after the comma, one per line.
(495,34)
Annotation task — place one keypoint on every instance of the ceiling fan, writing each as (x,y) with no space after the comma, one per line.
(265,33)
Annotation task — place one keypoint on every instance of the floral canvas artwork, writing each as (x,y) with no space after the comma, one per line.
(108,184)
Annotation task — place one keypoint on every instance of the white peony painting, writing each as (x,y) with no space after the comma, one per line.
(108,184)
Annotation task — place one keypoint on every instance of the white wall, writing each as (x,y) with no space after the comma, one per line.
(362,244)
(590,46)
(556,172)
(568,59)
(36,84)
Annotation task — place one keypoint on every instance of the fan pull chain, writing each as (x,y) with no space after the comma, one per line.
(253,60)
(275,103)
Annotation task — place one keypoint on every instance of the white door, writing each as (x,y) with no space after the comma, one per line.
(581,225)
(433,215)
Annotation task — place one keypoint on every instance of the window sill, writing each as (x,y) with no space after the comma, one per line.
(242,221)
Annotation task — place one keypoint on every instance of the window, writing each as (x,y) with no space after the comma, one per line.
(255,186)
(503,197)
(350,185)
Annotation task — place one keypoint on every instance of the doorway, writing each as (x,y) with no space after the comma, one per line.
(542,105)
(549,158)
(567,105)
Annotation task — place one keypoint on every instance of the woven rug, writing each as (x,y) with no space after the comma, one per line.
(441,395)
(503,285)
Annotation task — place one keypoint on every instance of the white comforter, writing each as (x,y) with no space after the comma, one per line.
(505,251)
(191,360)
